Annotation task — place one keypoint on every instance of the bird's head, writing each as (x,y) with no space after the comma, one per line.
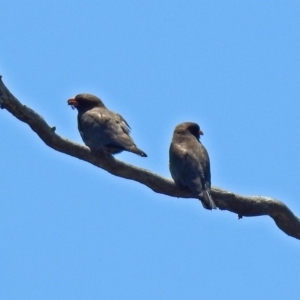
(189,128)
(84,102)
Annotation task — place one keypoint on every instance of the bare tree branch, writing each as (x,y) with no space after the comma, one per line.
(243,206)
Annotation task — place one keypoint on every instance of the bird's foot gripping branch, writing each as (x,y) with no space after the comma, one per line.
(224,200)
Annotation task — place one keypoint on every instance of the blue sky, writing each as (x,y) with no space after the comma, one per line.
(71,231)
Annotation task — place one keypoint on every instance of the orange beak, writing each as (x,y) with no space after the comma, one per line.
(72,101)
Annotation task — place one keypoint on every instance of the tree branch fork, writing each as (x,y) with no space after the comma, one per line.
(248,206)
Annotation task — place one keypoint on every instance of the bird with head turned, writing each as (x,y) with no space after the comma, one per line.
(102,129)
(189,162)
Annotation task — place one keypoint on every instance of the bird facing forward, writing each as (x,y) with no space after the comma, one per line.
(102,129)
(189,162)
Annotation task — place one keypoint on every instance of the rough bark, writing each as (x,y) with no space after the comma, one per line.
(243,206)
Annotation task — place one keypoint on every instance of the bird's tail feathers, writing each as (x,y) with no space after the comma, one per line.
(138,151)
(207,200)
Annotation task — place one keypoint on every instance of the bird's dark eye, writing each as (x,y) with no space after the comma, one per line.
(195,130)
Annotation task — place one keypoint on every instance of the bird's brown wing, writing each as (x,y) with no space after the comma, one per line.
(187,170)
(123,123)
(115,128)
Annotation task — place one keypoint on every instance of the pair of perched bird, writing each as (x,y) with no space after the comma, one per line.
(106,131)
